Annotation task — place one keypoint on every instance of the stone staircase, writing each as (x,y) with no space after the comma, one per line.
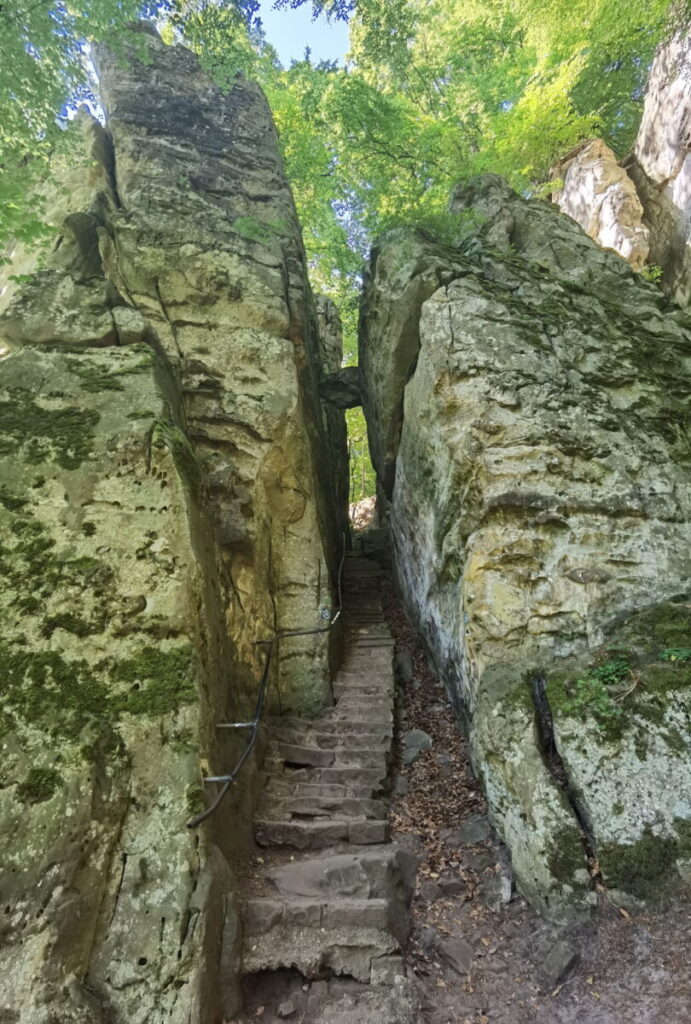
(327,916)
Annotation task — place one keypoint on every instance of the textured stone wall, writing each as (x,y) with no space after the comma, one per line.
(167,500)
(600,196)
(661,166)
(641,208)
(528,399)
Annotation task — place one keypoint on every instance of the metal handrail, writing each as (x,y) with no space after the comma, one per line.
(253,726)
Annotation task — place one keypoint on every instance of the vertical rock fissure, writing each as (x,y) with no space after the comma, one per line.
(544,730)
(110,166)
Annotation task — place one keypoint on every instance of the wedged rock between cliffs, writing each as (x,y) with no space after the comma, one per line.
(528,401)
(641,206)
(172,492)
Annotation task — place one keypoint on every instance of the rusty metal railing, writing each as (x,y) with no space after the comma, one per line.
(253,726)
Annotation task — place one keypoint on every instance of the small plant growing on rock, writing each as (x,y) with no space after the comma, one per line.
(598,692)
(652,273)
(676,654)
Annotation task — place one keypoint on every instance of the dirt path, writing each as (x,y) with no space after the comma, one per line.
(632,969)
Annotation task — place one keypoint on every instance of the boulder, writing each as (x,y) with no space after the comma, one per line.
(415,743)
(342,388)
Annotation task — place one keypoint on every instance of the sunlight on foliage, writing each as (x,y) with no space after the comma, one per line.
(433,91)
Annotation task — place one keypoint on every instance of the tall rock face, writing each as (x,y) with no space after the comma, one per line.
(641,208)
(528,400)
(166,502)
(661,164)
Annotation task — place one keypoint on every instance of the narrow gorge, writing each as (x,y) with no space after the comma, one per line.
(210,679)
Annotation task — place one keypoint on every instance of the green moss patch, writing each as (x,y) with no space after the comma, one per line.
(33,570)
(10,501)
(71,624)
(566,855)
(94,378)
(631,679)
(68,698)
(39,785)
(161,680)
(65,435)
(643,868)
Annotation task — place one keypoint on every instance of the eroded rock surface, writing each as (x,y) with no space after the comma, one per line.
(600,196)
(661,166)
(527,396)
(641,207)
(166,502)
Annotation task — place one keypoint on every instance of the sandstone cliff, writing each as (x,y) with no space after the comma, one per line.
(641,208)
(168,499)
(528,397)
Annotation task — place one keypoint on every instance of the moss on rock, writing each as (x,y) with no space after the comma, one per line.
(64,434)
(642,868)
(566,855)
(39,785)
(162,681)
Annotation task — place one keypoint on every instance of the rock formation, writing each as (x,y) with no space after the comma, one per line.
(600,196)
(167,501)
(641,208)
(661,166)
(528,397)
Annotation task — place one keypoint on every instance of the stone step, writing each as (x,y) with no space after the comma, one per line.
(335,724)
(314,757)
(373,778)
(364,691)
(318,835)
(368,659)
(266,914)
(351,951)
(279,786)
(370,740)
(389,997)
(361,715)
(374,872)
(359,706)
(278,807)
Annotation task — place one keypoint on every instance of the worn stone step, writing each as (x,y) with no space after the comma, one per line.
(372,690)
(381,677)
(352,951)
(265,914)
(362,715)
(279,785)
(316,835)
(374,872)
(358,706)
(371,740)
(372,777)
(343,757)
(276,807)
(388,998)
(316,757)
(335,724)
(362,658)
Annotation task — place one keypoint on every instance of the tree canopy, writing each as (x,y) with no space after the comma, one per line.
(433,91)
